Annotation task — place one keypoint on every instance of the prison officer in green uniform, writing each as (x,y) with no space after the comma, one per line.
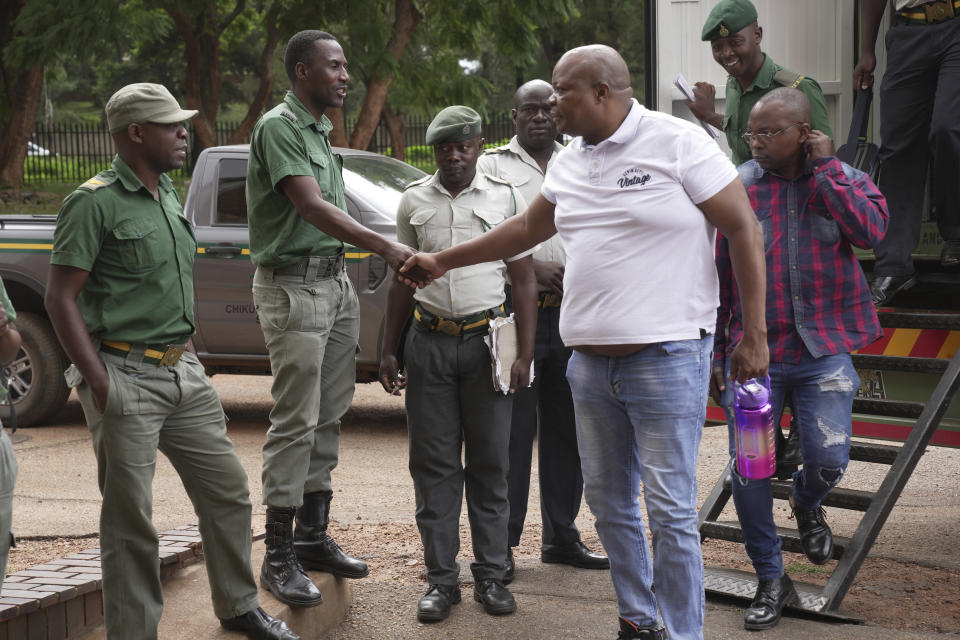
(9,346)
(734,36)
(120,296)
(450,396)
(308,312)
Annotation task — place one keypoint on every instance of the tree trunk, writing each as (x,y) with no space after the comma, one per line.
(406,19)
(338,137)
(265,68)
(23,99)
(397,127)
(201,37)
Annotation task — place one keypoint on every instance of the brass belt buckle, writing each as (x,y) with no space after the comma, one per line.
(172,355)
(938,11)
(448,327)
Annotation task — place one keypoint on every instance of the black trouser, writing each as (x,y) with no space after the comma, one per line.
(919,124)
(452,407)
(561,482)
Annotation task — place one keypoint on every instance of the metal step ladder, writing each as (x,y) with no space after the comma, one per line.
(876,505)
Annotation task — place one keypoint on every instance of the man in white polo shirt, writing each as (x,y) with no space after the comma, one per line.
(637,199)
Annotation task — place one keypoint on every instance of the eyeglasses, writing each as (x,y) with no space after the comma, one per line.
(767,137)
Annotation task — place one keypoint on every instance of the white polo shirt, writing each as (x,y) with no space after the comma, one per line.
(640,253)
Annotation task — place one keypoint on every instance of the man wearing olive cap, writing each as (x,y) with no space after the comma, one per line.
(120,296)
(450,397)
(734,37)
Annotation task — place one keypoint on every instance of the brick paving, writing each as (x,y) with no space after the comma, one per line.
(62,598)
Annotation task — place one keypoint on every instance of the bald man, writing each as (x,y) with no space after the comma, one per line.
(636,198)
(546,406)
(813,209)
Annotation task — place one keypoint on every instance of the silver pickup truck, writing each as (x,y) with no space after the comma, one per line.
(228,338)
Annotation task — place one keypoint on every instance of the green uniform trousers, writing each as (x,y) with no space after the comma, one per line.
(8,476)
(311,329)
(176,410)
(451,405)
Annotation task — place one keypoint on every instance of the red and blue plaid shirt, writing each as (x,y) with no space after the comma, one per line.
(817,295)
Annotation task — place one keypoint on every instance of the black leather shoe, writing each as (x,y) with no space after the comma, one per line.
(815,536)
(768,603)
(884,288)
(436,602)
(950,256)
(315,549)
(259,625)
(575,554)
(511,570)
(629,631)
(281,573)
(495,598)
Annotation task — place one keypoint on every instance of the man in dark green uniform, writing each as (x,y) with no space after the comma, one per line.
(120,296)
(9,345)
(734,36)
(308,311)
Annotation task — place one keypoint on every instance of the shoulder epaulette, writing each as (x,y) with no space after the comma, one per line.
(418,182)
(98,181)
(289,115)
(498,179)
(497,150)
(787,78)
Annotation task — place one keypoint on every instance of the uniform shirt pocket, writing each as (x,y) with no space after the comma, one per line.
(139,245)
(825,228)
(485,219)
(320,162)
(422,220)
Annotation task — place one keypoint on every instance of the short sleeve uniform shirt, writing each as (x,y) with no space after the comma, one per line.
(428,219)
(512,163)
(289,141)
(139,252)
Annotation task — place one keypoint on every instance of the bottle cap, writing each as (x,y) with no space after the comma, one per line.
(752,394)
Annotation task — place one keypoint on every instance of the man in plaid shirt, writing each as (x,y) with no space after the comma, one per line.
(813,209)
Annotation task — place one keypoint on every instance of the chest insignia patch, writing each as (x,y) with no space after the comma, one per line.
(633,177)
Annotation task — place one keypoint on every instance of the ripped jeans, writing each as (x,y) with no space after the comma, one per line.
(823,391)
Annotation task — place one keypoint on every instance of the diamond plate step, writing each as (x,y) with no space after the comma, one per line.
(742,585)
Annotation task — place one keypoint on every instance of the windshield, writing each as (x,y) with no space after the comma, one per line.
(378,180)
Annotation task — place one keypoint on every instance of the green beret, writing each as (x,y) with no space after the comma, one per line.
(144,102)
(729,16)
(454,124)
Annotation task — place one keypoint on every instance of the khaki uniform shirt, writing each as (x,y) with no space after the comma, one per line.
(740,102)
(139,253)
(11,316)
(428,219)
(513,164)
(289,141)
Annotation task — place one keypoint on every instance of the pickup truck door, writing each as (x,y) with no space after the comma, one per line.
(223,273)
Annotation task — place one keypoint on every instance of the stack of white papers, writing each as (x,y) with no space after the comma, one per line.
(681,83)
(503,344)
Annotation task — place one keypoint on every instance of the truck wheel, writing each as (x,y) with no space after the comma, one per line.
(37,387)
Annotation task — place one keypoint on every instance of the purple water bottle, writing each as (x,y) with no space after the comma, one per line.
(756,444)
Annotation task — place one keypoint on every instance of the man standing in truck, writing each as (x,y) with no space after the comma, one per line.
(919,128)
(120,297)
(308,311)
(734,37)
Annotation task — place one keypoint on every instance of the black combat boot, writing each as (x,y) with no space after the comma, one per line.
(315,549)
(281,573)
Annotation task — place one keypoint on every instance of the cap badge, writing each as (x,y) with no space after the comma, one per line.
(466,129)
(724,32)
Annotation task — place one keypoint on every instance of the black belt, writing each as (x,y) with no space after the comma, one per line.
(456,326)
(311,267)
(930,12)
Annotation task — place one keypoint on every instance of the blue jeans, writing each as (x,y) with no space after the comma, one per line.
(823,390)
(639,420)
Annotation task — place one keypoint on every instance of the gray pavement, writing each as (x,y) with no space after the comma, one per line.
(57,495)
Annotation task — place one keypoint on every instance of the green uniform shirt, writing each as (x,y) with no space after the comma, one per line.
(139,253)
(740,102)
(289,141)
(11,316)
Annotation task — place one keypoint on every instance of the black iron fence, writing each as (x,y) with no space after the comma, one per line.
(74,153)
